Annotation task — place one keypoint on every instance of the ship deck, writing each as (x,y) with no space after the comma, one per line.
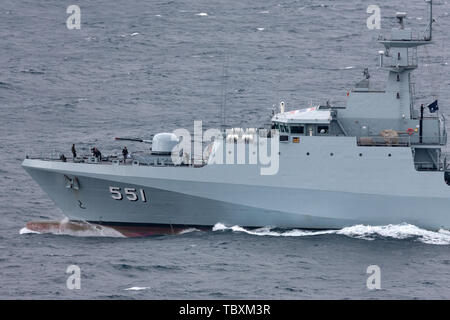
(137,160)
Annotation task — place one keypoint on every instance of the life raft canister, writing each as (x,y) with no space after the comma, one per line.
(410,131)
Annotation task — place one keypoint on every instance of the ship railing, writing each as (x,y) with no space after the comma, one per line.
(413,59)
(402,141)
(411,62)
(430,166)
(384,141)
(443,130)
(415,36)
(60,156)
(412,94)
(417,117)
(440,164)
(440,140)
(47,155)
(137,158)
(445,160)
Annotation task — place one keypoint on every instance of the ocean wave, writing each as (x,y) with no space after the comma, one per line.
(188,230)
(69,228)
(5,85)
(364,232)
(136,288)
(25,230)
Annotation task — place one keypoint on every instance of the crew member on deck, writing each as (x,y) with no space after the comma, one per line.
(97,153)
(125,154)
(74,152)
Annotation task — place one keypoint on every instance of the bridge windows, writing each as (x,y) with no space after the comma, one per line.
(303,129)
(298,129)
(281,127)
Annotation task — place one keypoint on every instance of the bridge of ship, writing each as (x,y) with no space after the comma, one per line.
(323,121)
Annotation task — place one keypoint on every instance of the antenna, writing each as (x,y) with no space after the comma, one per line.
(381,54)
(430,20)
(400,16)
(282,107)
(224,94)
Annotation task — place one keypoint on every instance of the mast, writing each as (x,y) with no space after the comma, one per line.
(430,20)
(223,103)
(400,59)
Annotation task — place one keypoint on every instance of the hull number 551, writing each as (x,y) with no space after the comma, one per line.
(130,193)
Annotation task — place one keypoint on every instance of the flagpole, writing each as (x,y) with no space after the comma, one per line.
(421,123)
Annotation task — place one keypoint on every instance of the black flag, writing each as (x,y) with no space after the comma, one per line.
(433,106)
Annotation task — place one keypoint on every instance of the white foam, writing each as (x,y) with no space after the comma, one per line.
(87,230)
(260,29)
(136,288)
(25,230)
(202,14)
(219,227)
(267,231)
(396,231)
(189,230)
(399,231)
(134,34)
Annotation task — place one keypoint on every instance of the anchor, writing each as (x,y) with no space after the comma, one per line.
(72,183)
(81,205)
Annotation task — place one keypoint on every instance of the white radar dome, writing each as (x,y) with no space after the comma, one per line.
(163,143)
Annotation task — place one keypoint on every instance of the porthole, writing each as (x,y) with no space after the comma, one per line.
(389,155)
(307,153)
(331,154)
(360,154)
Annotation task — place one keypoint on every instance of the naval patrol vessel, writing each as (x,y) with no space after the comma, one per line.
(378,160)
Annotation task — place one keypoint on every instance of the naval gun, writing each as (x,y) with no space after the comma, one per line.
(133,139)
(161,143)
(162,147)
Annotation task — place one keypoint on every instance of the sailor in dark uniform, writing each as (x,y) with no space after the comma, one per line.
(74,152)
(125,154)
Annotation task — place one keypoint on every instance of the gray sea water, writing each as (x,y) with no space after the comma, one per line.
(137,68)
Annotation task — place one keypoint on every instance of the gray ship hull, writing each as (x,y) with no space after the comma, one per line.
(355,185)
